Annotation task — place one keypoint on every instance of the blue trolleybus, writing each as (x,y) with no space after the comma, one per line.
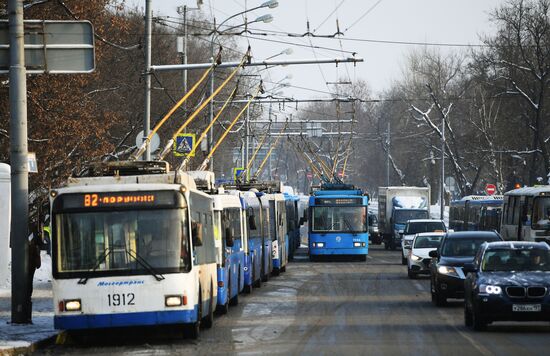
(476,212)
(338,221)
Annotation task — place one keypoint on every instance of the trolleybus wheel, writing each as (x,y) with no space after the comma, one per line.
(195,328)
(209,318)
(235,300)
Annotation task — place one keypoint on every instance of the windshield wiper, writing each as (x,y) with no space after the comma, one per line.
(158,276)
(100,260)
(349,227)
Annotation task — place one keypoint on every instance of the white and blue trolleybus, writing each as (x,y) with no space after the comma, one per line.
(133,245)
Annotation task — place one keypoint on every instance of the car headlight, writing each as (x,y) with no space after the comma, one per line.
(489,289)
(415,258)
(449,271)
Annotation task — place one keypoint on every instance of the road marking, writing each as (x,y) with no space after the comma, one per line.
(482,349)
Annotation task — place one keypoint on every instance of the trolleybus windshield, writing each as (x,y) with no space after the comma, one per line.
(339,218)
(117,241)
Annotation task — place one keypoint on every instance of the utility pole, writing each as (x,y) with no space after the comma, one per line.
(442,185)
(388,144)
(246,140)
(21,308)
(147,110)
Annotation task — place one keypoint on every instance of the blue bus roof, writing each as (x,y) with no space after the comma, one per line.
(338,193)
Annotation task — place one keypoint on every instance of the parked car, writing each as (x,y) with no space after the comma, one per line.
(417,226)
(456,249)
(418,259)
(374,234)
(508,281)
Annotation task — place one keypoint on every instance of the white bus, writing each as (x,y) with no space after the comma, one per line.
(133,250)
(526,214)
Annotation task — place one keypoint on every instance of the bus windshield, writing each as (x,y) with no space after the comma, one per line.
(402,215)
(109,241)
(339,218)
(541,213)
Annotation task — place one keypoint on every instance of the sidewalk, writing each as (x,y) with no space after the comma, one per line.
(17,339)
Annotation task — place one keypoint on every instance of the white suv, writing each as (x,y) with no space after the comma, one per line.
(418,259)
(418,226)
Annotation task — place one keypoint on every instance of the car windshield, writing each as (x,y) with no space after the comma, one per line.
(463,247)
(108,241)
(425,226)
(516,260)
(427,241)
(402,216)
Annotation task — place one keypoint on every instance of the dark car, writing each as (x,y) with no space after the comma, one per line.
(374,234)
(508,281)
(456,249)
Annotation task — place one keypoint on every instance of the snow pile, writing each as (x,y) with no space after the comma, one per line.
(42,275)
(410,202)
(435,213)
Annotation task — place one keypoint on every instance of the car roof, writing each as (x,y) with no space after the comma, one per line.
(517,245)
(471,234)
(423,220)
(431,234)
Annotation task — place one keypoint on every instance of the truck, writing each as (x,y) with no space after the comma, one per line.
(396,205)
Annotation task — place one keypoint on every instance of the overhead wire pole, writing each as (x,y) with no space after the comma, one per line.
(21,308)
(172,67)
(147,109)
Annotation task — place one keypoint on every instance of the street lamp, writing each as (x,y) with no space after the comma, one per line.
(285,51)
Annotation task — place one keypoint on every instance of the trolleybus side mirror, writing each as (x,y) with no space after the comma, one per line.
(229,237)
(196,231)
(433,254)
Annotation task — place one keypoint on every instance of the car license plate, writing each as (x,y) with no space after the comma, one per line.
(526,307)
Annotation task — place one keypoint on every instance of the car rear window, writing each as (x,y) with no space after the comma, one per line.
(429,226)
(464,247)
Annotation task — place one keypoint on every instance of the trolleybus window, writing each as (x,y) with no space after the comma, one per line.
(541,213)
(339,218)
(110,241)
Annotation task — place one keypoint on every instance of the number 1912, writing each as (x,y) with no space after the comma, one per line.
(120,299)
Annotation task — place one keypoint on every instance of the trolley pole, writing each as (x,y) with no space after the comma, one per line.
(21,309)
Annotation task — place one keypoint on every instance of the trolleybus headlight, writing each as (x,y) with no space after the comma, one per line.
(488,289)
(72,305)
(173,300)
(356,244)
(319,244)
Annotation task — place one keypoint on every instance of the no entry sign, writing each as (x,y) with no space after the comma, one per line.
(490,189)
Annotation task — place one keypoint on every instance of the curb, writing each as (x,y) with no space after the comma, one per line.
(27,350)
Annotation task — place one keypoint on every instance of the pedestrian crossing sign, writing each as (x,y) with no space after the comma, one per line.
(237,171)
(183,145)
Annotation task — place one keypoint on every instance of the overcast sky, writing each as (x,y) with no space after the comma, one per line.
(432,21)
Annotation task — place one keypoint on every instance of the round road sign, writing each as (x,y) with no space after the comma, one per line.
(490,189)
